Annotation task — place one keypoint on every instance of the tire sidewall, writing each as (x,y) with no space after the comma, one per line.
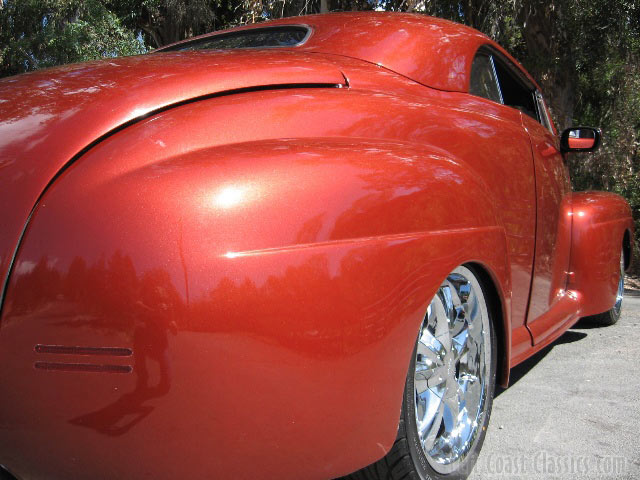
(418,457)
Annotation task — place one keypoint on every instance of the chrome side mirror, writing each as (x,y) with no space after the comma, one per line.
(580,139)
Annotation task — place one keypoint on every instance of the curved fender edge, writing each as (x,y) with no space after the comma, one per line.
(599,223)
(312,260)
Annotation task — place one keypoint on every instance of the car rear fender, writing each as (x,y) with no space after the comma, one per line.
(600,221)
(50,118)
(311,259)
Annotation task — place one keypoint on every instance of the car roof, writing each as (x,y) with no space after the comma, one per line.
(432,51)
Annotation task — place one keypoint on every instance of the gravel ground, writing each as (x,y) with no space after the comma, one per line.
(573,410)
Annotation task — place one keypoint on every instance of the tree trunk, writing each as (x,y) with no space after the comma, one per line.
(549,56)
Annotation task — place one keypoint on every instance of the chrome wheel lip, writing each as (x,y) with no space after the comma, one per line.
(451,378)
(617,307)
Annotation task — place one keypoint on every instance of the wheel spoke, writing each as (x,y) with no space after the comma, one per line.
(450,413)
(430,353)
(459,343)
(437,321)
(476,331)
(431,379)
(463,429)
(459,328)
(473,308)
(471,390)
(459,321)
(429,429)
(461,288)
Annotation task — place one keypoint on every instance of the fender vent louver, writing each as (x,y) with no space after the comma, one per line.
(71,366)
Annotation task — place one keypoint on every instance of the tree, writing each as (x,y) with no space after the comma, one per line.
(168,21)
(608,95)
(42,33)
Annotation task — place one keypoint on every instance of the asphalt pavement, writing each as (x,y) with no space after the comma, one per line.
(573,410)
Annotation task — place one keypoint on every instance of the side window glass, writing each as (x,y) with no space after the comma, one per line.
(483,78)
(492,79)
(514,93)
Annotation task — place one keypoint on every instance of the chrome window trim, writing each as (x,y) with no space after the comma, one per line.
(495,76)
(493,72)
(519,76)
(542,111)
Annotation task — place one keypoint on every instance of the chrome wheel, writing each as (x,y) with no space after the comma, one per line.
(611,316)
(452,369)
(620,295)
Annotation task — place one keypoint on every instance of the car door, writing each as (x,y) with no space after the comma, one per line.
(553,194)
(553,229)
(509,169)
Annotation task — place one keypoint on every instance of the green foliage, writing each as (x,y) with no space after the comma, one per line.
(608,95)
(42,33)
(161,22)
(165,21)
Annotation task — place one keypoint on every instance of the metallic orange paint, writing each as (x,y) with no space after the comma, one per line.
(226,255)
(599,221)
(50,116)
(429,50)
(553,237)
(581,142)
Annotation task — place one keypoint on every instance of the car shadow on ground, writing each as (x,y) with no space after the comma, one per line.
(574,334)
(525,367)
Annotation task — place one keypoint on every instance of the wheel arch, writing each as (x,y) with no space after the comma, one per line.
(498,310)
(358,257)
(601,226)
(627,249)
(221,196)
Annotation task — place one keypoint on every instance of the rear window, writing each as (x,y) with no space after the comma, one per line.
(269,37)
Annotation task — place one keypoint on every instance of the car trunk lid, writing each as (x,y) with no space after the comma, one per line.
(50,117)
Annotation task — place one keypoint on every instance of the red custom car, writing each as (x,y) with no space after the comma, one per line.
(289,250)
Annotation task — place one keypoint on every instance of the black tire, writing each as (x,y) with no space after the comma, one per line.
(406,460)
